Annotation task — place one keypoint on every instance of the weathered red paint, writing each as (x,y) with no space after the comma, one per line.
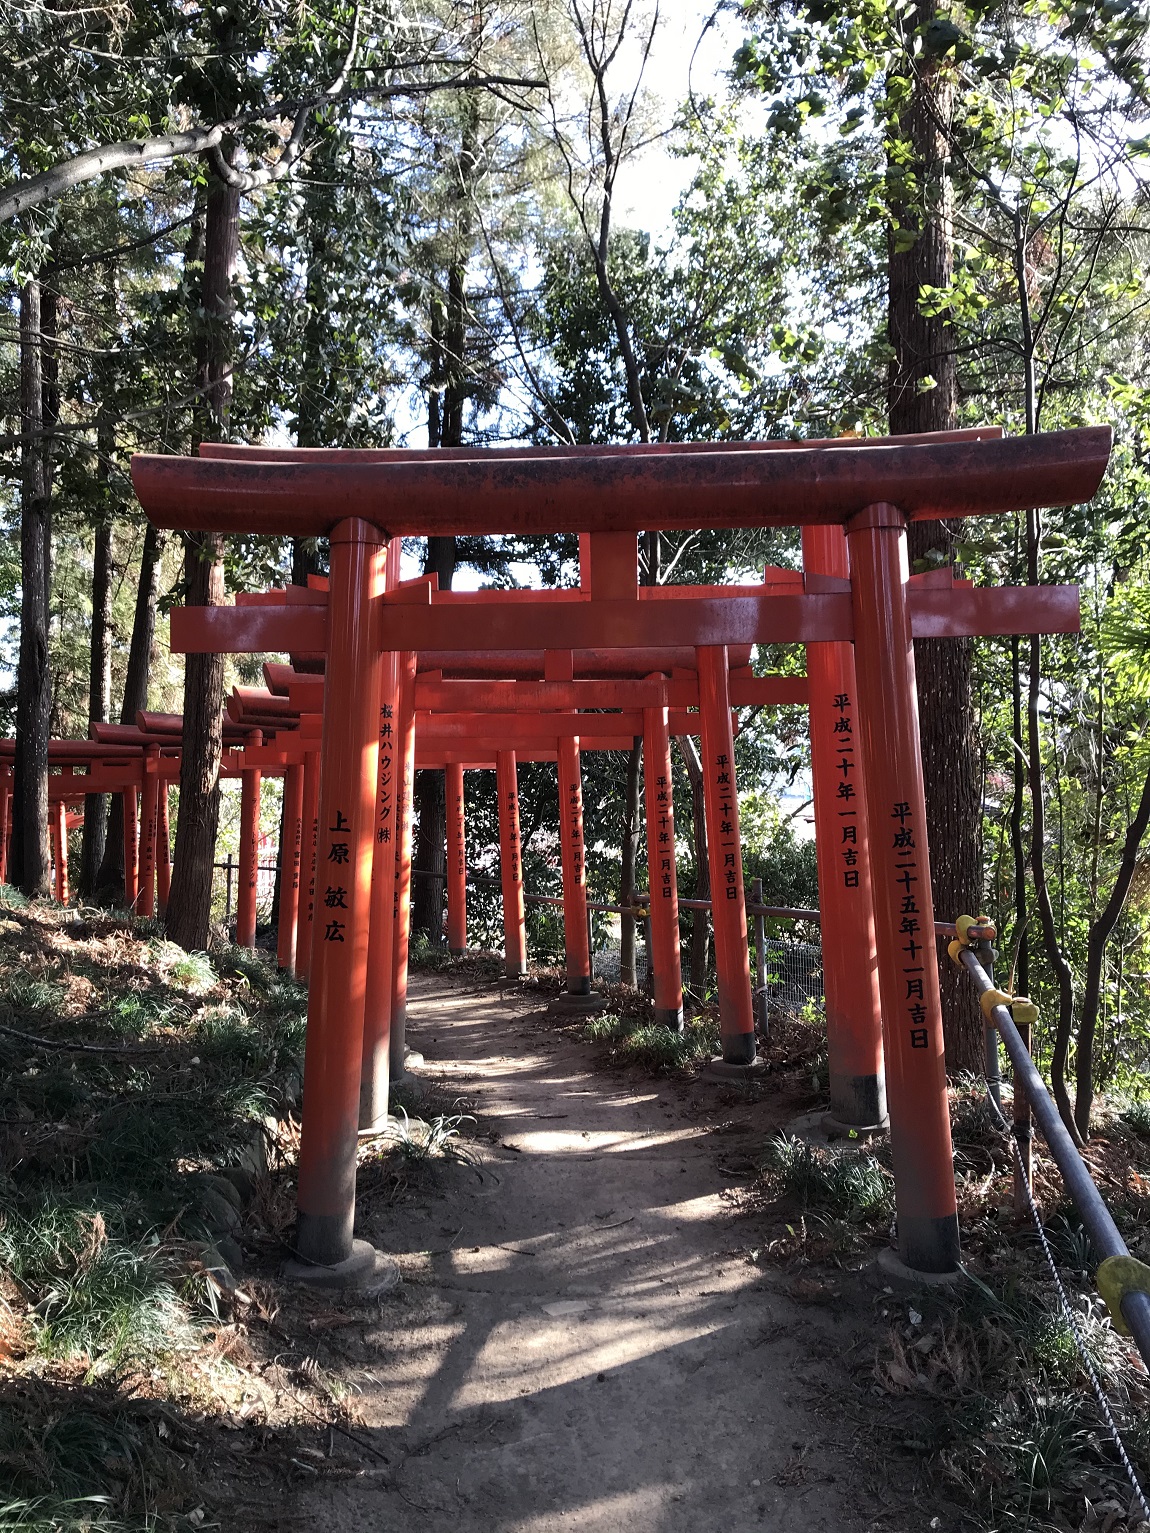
(292,841)
(375,1077)
(435,695)
(326,1185)
(904,912)
(305,921)
(131,848)
(540,491)
(60,852)
(5,815)
(149,832)
(456,860)
(662,884)
(571,850)
(842,850)
(724,850)
(163,849)
(250,788)
(269,454)
(511,865)
(401,915)
(750,615)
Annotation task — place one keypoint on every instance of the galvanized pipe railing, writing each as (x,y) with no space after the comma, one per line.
(1096,1217)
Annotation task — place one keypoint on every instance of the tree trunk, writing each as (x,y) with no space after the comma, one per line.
(430,850)
(1020,982)
(30,855)
(922,394)
(1100,932)
(99,698)
(447,398)
(110,879)
(190,901)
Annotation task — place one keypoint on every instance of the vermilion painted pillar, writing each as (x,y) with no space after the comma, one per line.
(310,827)
(904,910)
(375,1078)
(511,865)
(60,850)
(571,849)
(850,963)
(728,903)
(5,810)
(251,783)
(456,862)
(401,910)
(350,746)
(149,832)
(54,849)
(290,872)
(131,849)
(661,877)
(163,851)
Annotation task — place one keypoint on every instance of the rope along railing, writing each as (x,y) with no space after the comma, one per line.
(1122,1280)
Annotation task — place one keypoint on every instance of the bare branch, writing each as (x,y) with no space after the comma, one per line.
(52,184)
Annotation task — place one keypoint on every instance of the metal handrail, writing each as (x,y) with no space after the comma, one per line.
(1096,1217)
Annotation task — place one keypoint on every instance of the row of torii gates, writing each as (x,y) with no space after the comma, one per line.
(507,673)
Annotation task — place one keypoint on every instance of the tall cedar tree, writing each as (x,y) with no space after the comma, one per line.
(922,396)
(30,856)
(190,902)
(110,878)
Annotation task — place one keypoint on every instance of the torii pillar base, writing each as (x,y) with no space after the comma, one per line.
(366,1271)
(569,1005)
(723,1070)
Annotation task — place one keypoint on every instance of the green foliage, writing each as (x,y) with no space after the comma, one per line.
(848,1182)
(96,1467)
(652,1045)
(1137,1117)
(98,1298)
(418,1142)
(106,1202)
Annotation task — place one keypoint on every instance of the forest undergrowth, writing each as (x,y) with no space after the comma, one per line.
(980,1389)
(150,1366)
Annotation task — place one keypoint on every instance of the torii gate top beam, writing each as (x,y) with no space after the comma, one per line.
(543,491)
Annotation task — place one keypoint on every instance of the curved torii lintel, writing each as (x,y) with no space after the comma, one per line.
(540,491)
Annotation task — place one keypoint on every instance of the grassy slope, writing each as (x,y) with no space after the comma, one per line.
(145,1100)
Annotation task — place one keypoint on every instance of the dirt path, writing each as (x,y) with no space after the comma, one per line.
(581,1342)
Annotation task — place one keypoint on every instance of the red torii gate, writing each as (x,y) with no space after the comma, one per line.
(118,760)
(870,490)
(499,741)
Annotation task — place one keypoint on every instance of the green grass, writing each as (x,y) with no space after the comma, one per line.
(1137,1117)
(94,1465)
(192,971)
(106,1184)
(847,1182)
(417,1141)
(97,1297)
(424,954)
(36,998)
(653,1045)
(80,1514)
